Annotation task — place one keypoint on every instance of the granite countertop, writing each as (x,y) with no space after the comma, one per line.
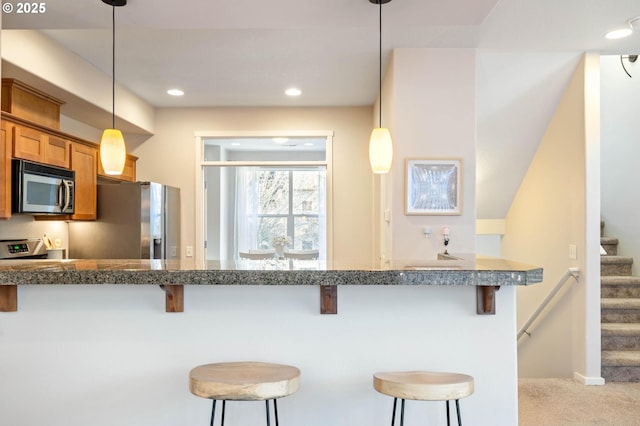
(486,274)
(468,270)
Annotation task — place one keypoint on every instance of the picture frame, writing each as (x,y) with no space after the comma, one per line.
(433,186)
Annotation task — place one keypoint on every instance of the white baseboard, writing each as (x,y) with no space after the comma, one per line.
(588,381)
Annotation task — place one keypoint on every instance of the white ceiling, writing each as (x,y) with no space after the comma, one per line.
(246,52)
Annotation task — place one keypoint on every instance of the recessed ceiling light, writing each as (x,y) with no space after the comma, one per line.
(624,31)
(281,140)
(175,92)
(308,144)
(619,33)
(235,143)
(293,92)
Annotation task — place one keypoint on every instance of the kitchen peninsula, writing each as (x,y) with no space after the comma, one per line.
(485,273)
(100,325)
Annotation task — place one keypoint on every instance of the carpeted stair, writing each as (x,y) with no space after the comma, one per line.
(620,315)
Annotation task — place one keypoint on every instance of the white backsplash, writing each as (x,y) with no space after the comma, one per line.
(25,226)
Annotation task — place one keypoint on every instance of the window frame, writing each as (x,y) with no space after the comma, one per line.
(291,216)
(201,164)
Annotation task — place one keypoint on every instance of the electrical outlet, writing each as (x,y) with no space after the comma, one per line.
(189,251)
(573,251)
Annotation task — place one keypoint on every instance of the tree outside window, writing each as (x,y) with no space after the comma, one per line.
(290,204)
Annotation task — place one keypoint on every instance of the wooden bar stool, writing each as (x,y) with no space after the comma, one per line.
(244,381)
(423,386)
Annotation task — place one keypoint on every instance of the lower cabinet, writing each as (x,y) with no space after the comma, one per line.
(5,169)
(84,161)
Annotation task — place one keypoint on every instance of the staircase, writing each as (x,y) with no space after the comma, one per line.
(620,292)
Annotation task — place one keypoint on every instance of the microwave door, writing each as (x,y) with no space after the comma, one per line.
(41,194)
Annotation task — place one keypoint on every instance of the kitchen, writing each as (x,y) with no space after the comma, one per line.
(127,327)
(158,347)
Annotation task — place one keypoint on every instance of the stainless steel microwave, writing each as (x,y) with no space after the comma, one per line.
(41,189)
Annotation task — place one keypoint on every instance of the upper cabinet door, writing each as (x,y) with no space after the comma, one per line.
(84,161)
(5,169)
(29,144)
(57,151)
(34,145)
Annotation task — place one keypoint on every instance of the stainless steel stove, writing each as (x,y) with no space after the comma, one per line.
(23,249)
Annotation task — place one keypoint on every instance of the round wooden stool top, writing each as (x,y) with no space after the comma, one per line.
(244,381)
(423,385)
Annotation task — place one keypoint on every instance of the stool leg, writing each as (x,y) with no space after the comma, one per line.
(213,412)
(224,405)
(448,422)
(275,410)
(402,413)
(393,416)
(268,416)
(458,412)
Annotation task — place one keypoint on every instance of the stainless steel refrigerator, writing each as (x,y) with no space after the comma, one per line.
(136,220)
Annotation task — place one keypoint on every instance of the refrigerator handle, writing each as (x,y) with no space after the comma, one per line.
(157,248)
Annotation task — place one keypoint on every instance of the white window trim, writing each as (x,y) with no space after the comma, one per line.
(200,164)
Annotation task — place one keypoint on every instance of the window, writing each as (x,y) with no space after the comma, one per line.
(287,203)
(257,189)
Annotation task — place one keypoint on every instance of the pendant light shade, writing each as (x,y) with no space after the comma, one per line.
(113,151)
(380,150)
(380,143)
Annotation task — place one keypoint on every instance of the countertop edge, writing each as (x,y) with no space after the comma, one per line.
(273,277)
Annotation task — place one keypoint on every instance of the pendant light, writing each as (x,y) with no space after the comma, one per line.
(113,152)
(380,144)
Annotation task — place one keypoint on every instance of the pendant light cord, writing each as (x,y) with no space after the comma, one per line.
(380,70)
(113,64)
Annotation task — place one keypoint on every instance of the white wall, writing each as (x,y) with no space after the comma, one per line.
(109,355)
(557,205)
(620,150)
(433,117)
(489,234)
(56,71)
(169,157)
(24,226)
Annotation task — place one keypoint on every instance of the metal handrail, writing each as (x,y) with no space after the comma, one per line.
(571,272)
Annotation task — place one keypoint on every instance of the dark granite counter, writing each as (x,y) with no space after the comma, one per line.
(171,275)
(477,271)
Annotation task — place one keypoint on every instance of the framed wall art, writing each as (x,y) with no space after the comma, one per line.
(433,186)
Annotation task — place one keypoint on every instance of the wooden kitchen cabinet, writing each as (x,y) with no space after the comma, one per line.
(34,145)
(29,103)
(28,144)
(5,169)
(84,161)
(57,152)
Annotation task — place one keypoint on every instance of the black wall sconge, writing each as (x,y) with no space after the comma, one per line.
(631,58)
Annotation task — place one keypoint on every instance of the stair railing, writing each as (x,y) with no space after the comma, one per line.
(571,273)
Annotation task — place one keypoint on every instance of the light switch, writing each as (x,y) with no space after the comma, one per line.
(573,251)
(387,215)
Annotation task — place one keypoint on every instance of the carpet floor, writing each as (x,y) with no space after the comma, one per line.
(560,402)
